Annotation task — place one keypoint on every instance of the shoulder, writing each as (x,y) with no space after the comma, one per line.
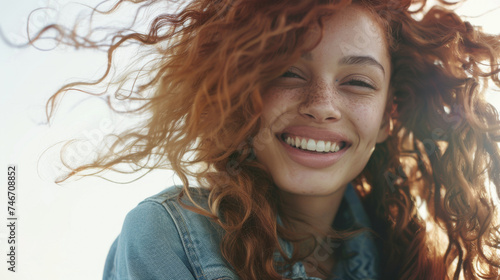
(160,217)
(160,239)
(171,195)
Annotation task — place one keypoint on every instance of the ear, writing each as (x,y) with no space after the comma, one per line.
(387,124)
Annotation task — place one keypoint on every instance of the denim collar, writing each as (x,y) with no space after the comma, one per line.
(364,261)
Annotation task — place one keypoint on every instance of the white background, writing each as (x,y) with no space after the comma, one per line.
(64,231)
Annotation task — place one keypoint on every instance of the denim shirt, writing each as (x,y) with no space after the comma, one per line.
(162,240)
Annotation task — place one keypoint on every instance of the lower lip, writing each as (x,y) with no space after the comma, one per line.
(312,159)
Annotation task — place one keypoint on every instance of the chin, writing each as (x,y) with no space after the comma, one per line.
(314,183)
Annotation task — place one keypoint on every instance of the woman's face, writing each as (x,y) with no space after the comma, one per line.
(323,117)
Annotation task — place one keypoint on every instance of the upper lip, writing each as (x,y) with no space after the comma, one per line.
(314,133)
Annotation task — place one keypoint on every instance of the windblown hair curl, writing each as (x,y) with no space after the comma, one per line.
(215,58)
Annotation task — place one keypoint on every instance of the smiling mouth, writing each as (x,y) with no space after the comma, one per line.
(313,145)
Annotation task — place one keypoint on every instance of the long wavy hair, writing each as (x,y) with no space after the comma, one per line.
(203,98)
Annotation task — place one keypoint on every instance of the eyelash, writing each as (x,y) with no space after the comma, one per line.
(290,74)
(360,83)
(351,81)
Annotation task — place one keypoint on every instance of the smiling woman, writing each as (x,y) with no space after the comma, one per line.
(330,98)
(311,129)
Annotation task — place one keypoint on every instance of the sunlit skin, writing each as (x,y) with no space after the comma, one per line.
(339,92)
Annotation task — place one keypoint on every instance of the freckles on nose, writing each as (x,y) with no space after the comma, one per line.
(318,93)
(320,103)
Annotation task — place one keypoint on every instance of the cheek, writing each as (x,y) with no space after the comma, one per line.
(367,117)
(276,103)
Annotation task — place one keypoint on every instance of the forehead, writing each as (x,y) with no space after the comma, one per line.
(352,31)
(360,26)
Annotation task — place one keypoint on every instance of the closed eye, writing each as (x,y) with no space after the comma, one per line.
(359,83)
(290,74)
(293,72)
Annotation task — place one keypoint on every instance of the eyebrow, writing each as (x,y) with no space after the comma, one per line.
(363,60)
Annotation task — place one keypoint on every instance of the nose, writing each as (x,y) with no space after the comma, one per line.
(321,104)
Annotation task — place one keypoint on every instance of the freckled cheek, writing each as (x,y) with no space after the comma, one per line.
(276,102)
(367,119)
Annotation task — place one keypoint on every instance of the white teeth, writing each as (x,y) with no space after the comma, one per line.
(311,145)
(320,146)
(327,146)
(303,144)
(334,148)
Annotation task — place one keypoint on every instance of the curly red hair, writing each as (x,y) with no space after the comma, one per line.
(215,58)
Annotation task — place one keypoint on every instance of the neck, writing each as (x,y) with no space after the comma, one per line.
(318,211)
